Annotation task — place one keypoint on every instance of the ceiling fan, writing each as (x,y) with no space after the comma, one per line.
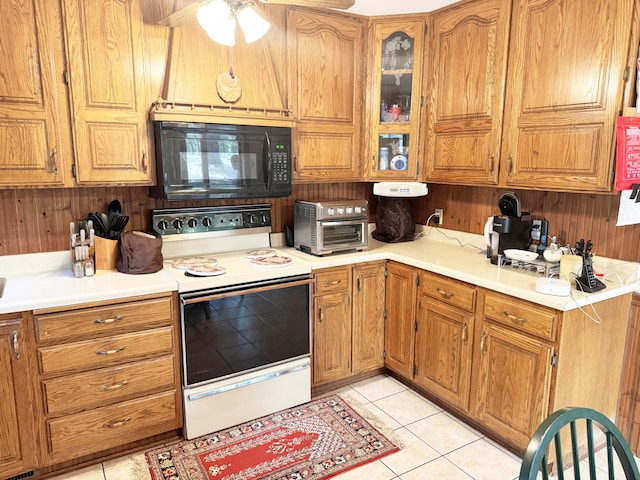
(185,14)
(218,18)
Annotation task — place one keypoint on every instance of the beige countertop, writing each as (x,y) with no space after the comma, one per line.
(463,256)
(45,280)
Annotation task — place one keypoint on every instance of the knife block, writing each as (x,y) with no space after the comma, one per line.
(107,253)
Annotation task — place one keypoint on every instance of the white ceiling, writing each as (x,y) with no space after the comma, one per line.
(391,7)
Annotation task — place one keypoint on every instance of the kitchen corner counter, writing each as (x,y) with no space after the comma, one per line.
(440,251)
(44,280)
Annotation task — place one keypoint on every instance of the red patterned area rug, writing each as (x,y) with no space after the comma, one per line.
(316,440)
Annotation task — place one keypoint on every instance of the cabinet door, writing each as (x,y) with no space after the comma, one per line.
(30,108)
(105,52)
(514,383)
(396,80)
(466,92)
(16,409)
(368,317)
(327,82)
(399,326)
(443,351)
(331,337)
(566,65)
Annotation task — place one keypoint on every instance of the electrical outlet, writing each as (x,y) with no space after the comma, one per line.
(439,212)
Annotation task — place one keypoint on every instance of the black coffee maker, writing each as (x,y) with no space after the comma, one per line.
(511,229)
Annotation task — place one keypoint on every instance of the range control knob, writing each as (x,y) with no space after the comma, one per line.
(349,210)
(192,222)
(163,225)
(330,211)
(340,211)
(358,209)
(177,224)
(206,221)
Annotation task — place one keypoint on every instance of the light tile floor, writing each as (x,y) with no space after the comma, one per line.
(435,445)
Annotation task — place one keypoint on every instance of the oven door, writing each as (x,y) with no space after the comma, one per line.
(246,353)
(342,235)
(234,330)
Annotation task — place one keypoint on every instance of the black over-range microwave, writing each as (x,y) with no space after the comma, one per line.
(203,160)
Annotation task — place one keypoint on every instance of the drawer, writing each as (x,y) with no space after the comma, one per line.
(449,291)
(333,280)
(527,317)
(109,385)
(96,430)
(105,352)
(105,320)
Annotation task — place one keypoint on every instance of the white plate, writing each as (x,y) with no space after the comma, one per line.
(522,255)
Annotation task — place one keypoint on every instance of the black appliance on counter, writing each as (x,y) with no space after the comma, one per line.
(510,230)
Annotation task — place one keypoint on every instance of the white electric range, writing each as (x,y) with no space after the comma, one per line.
(245,315)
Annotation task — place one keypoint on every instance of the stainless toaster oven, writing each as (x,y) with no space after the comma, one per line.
(321,228)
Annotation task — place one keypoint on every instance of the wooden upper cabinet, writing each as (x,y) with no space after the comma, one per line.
(395,101)
(564,90)
(31,110)
(106,81)
(327,90)
(465,92)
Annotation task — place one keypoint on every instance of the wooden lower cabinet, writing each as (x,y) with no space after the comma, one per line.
(108,376)
(17,454)
(402,288)
(515,377)
(444,338)
(501,363)
(348,321)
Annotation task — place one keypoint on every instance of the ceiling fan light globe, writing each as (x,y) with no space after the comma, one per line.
(217,20)
(253,25)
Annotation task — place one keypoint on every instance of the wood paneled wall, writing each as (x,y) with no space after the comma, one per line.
(38,220)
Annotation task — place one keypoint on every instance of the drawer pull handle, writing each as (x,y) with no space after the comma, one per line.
(105,388)
(482,340)
(464,334)
(13,343)
(445,294)
(109,352)
(117,424)
(108,320)
(514,318)
(333,282)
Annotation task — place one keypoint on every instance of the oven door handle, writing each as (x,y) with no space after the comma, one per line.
(246,383)
(200,297)
(351,221)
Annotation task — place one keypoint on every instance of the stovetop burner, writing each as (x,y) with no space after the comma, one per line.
(236,238)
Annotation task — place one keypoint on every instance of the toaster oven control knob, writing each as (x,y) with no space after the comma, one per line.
(163,225)
(192,222)
(206,221)
(177,224)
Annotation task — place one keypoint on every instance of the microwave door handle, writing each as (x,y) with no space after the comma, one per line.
(267,161)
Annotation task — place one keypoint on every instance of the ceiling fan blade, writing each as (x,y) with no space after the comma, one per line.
(183,15)
(341,4)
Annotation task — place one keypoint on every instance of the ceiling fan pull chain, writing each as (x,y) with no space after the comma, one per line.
(231,62)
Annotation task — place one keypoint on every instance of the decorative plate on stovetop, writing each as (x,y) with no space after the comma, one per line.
(185,263)
(260,253)
(205,270)
(274,261)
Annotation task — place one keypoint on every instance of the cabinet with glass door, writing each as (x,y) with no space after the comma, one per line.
(395,102)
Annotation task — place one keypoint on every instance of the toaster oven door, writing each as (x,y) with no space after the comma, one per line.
(342,235)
